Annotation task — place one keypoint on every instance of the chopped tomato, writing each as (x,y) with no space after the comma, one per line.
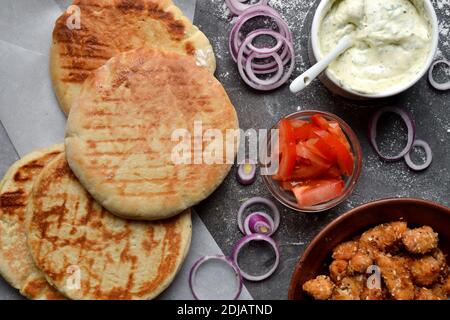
(314,156)
(318,191)
(304,152)
(296,123)
(320,147)
(287,163)
(336,130)
(343,155)
(287,150)
(320,121)
(333,172)
(308,172)
(304,132)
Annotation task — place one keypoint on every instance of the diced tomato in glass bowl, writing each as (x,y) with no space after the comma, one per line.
(319,161)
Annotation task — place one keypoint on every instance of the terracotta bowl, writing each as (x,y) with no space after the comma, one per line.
(317,256)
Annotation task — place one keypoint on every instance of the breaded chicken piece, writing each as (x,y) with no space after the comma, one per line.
(441,258)
(396,276)
(426,294)
(372,294)
(360,262)
(439,291)
(320,288)
(425,270)
(382,237)
(345,250)
(350,288)
(446,286)
(338,270)
(420,240)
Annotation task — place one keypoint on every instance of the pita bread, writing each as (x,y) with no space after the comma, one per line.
(16,263)
(88,253)
(108,27)
(119,134)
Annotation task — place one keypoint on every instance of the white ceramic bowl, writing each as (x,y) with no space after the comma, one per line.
(335,86)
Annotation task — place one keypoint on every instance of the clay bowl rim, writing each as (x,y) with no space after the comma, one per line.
(347,215)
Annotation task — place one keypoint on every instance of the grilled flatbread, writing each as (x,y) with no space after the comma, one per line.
(16,263)
(108,27)
(88,253)
(119,134)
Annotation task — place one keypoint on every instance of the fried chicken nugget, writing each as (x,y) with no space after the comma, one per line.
(420,240)
(350,288)
(446,286)
(338,270)
(426,294)
(382,237)
(396,276)
(426,270)
(320,288)
(372,294)
(360,262)
(345,250)
(439,291)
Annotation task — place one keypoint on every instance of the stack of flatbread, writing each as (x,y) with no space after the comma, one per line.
(106,215)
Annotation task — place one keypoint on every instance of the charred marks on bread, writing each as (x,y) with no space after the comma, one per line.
(83,52)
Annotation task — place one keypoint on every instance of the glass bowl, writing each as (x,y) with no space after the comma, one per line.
(287,198)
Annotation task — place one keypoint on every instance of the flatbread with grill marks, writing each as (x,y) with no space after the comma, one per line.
(16,263)
(88,253)
(108,27)
(119,136)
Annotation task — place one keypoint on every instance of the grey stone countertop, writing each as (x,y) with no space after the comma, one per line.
(429,108)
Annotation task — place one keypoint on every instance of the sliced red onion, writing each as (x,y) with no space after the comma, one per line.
(256,237)
(429,155)
(273,79)
(251,79)
(238,6)
(235,40)
(246,173)
(259,200)
(409,122)
(434,83)
(259,222)
(201,261)
(266,52)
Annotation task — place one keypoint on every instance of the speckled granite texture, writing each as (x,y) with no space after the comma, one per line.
(378,180)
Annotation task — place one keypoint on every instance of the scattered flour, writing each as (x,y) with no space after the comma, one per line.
(443,7)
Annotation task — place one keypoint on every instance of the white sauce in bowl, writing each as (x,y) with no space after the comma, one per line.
(392,40)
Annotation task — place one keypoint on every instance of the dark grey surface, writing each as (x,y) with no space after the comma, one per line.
(378,180)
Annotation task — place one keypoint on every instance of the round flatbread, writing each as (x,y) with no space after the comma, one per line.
(88,35)
(88,253)
(16,263)
(130,119)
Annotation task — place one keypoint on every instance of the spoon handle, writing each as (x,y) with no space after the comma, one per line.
(309,75)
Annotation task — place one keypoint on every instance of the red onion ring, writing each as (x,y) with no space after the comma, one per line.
(238,6)
(409,122)
(259,222)
(251,79)
(257,11)
(266,52)
(434,83)
(256,237)
(243,177)
(272,80)
(202,260)
(259,200)
(429,154)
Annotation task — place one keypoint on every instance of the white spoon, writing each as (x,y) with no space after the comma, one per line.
(309,75)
